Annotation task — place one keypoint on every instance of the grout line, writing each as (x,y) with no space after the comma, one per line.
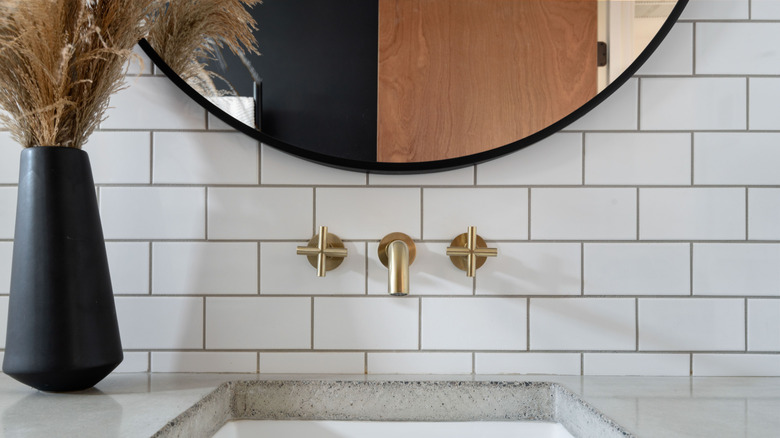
(747,104)
(695,49)
(314,211)
(422,212)
(747,214)
(419,323)
(259,164)
(637,214)
(693,158)
(151,269)
(690,268)
(530,192)
(583,152)
(582,364)
(257,369)
(582,268)
(636,324)
(312,323)
(473,363)
(690,367)
(365,363)
(528,324)
(151,157)
(639,104)
(746,325)
(204,323)
(259,268)
(366,261)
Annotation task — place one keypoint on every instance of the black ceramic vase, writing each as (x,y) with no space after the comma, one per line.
(62,332)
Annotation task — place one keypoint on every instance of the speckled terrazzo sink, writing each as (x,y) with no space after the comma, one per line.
(422,401)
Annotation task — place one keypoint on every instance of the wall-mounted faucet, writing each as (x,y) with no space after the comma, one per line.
(397,252)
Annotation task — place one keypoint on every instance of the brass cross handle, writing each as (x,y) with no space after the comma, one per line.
(468,252)
(324,251)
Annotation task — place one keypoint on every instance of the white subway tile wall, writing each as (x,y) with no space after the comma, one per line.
(642,240)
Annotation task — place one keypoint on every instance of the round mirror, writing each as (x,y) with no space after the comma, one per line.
(423,85)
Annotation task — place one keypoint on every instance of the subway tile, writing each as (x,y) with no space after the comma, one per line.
(528,363)
(366,323)
(763,325)
(497,213)
(675,54)
(431,273)
(120,157)
(752,365)
(582,324)
(693,103)
(258,323)
(160,322)
(3,320)
(765,9)
(716,10)
(6,255)
(208,268)
(203,362)
(617,113)
(153,103)
(153,212)
(474,324)
(692,214)
(737,48)
(10,152)
(637,269)
(636,364)
(583,213)
(278,167)
(638,159)
(736,158)
(133,362)
(555,160)
(205,158)
(312,363)
(531,269)
(260,213)
(128,263)
(458,177)
(764,103)
(284,272)
(736,269)
(419,363)
(7,212)
(369,213)
(763,214)
(691,324)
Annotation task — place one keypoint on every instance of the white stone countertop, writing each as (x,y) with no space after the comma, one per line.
(138,405)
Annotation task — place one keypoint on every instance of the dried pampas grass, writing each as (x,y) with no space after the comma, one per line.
(60,60)
(187,33)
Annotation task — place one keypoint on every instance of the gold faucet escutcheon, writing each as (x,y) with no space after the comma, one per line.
(324,251)
(468,252)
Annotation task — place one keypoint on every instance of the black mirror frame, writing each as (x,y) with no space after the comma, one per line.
(424,166)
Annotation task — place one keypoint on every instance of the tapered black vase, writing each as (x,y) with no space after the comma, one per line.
(62,327)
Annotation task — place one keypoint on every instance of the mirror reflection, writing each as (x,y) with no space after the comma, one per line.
(405,81)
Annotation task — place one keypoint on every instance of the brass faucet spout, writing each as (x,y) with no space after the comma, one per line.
(397,252)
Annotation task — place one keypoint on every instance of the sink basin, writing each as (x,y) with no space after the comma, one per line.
(417,404)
